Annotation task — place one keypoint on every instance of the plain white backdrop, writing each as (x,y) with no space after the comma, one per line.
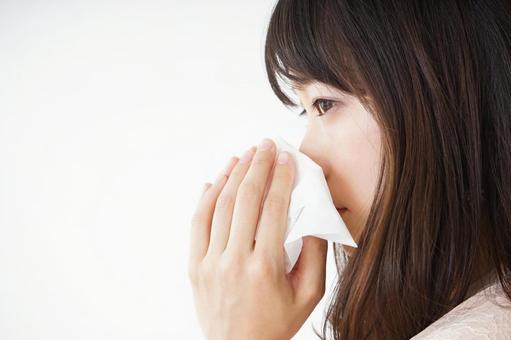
(112,116)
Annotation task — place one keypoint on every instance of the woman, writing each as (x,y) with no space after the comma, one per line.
(409,110)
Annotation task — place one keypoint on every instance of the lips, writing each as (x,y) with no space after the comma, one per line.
(341,210)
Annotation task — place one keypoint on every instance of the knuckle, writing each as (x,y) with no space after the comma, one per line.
(261,159)
(205,272)
(225,200)
(198,217)
(275,204)
(260,269)
(248,189)
(283,176)
(229,267)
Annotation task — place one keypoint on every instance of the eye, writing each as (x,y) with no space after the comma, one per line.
(323,105)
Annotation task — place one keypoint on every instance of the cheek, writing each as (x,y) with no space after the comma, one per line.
(365,145)
(363,169)
(359,175)
(356,168)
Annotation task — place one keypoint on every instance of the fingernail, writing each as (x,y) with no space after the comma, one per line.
(247,156)
(283,157)
(265,144)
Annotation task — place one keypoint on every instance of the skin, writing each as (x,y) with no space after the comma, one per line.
(344,139)
(346,143)
(240,287)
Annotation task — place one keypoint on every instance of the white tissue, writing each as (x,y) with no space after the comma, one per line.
(311,208)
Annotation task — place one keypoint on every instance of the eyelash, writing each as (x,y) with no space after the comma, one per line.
(315,105)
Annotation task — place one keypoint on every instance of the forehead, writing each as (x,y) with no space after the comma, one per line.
(303,85)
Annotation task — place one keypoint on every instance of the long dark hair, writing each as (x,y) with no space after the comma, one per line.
(436,75)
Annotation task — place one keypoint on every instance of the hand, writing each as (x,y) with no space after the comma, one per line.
(240,287)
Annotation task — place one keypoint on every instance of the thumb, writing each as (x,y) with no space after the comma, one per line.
(311,268)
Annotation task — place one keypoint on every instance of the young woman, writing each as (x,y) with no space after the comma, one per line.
(409,111)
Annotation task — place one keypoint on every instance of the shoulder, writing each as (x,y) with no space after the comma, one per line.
(486,315)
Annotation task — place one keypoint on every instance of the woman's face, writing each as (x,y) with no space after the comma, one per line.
(345,141)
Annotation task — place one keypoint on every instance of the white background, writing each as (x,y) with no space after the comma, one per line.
(112,116)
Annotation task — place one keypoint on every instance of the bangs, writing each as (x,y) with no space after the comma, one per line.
(304,44)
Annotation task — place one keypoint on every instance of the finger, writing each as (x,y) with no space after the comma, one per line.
(249,198)
(311,269)
(202,217)
(205,187)
(222,218)
(273,221)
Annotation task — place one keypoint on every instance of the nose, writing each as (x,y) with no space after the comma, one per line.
(314,149)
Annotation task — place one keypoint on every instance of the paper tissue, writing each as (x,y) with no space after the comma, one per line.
(311,208)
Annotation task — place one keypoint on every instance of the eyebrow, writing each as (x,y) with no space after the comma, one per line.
(301,85)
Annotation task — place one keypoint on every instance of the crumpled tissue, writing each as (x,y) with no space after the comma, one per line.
(311,208)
